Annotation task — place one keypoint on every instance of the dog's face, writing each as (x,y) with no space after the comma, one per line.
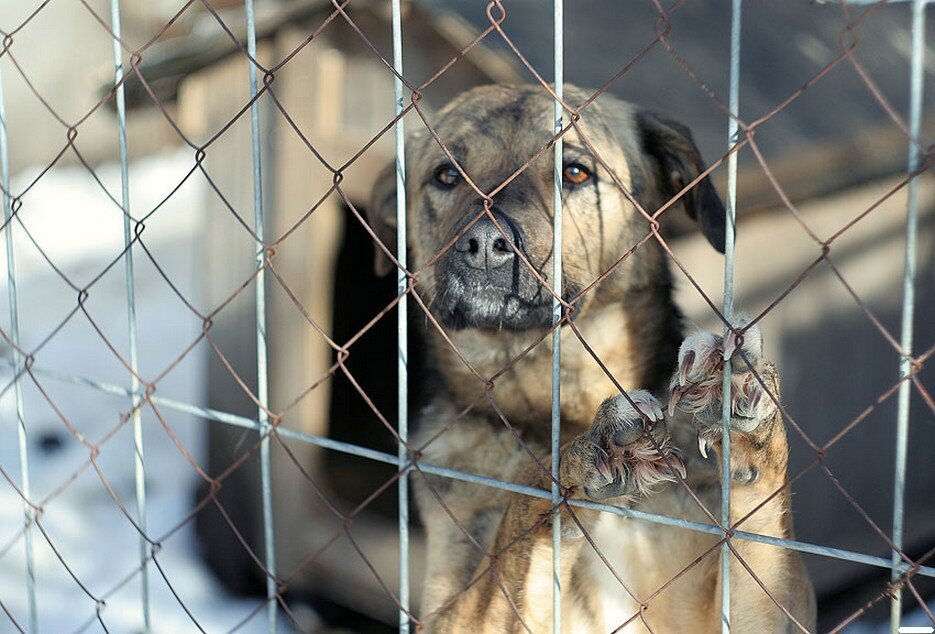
(476,275)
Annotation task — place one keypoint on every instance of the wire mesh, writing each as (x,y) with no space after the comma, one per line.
(562,507)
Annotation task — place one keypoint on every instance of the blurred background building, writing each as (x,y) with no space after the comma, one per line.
(834,149)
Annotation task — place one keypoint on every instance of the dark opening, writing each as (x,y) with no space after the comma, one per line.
(359,295)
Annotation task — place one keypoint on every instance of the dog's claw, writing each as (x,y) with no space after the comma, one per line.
(674,400)
(730,346)
(684,366)
(604,467)
(649,410)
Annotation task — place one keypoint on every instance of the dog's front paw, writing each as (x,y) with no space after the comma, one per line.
(696,388)
(620,456)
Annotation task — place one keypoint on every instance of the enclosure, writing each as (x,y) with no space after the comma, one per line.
(208,393)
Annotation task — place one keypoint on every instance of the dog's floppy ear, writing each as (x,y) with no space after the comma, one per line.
(381,214)
(677,162)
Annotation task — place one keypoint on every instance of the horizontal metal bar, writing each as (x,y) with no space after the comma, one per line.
(454,474)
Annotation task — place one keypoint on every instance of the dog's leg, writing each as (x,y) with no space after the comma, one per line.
(614,460)
(758,459)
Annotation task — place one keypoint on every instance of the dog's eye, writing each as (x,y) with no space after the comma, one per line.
(447,176)
(576,174)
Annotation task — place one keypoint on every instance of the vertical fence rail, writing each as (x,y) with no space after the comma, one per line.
(261,354)
(139,464)
(402,324)
(729,226)
(909,274)
(18,369)
(559,53)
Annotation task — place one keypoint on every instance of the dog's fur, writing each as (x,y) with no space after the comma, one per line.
(492,315)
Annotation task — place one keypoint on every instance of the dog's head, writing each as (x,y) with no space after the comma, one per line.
(476,279)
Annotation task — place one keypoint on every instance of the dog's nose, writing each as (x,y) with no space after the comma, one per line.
(484,247)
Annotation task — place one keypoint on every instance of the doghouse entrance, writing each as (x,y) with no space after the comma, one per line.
(359,295)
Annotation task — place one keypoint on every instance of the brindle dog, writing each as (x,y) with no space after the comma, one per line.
(493,307)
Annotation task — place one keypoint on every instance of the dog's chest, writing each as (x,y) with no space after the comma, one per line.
(618,540)
(524,391)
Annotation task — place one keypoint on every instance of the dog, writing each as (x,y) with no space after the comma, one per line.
(482,275)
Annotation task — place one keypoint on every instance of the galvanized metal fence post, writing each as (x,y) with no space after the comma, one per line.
(909,273)
(731,215)
(559,59)
(139,467)
(402,324)
(18,369)
(261,353)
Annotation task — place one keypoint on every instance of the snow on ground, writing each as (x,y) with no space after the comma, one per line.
(81,230)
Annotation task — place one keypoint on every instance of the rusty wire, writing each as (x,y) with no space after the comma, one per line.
(416,114)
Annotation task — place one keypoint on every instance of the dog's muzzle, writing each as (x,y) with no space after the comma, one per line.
(484,248)
(482,283)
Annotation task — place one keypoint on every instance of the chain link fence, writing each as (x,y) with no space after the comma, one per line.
(146,409)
